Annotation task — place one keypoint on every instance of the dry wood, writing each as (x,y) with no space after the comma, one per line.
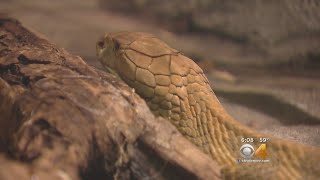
(63,119)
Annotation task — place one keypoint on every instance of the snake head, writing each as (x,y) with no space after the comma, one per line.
(135,56)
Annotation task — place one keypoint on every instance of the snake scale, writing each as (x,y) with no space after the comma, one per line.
(176,88)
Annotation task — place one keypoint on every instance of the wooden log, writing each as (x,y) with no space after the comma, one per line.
(63,119)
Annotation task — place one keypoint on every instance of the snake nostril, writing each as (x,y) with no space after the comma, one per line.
(100,43)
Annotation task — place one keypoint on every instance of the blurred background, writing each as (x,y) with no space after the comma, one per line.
(261,57)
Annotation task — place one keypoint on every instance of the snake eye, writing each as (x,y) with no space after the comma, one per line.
(116,45)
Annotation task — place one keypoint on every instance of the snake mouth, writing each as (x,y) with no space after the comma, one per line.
(109,70)
(112,71)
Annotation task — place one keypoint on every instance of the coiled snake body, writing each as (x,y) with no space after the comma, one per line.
(176,88)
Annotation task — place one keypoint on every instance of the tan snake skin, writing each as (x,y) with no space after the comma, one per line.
(176,88)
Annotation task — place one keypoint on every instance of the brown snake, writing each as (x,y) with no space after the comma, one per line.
(176,88)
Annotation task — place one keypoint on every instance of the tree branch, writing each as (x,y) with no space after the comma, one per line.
(63,119)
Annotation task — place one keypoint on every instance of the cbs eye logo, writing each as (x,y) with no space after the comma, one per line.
(246,151)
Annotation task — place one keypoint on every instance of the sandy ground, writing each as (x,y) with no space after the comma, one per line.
(303,133)
(76,25)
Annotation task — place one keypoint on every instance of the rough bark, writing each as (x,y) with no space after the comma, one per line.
(63,119)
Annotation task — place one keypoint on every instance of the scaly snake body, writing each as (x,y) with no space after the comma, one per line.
(176,88)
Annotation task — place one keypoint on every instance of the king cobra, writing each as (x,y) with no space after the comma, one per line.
(176,88)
